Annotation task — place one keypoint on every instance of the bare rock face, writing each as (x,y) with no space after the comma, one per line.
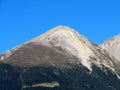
(112,45)
(69,40)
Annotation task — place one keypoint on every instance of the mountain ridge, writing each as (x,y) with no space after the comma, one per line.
(60,36)
(68,41)
(62,58)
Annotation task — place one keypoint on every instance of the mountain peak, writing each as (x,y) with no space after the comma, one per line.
(57,57)
(62,27)
(114,38)
(60,32)
(68,40)
(112,45)
(61,41)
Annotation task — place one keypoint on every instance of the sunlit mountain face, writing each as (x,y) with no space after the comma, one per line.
(61,59)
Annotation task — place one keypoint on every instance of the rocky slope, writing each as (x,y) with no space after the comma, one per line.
(62,41)
(62,58)
(112,45)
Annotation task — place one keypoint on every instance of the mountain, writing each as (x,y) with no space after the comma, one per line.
(60,59)
(112,45)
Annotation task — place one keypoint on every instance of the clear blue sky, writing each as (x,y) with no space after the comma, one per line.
(22,20)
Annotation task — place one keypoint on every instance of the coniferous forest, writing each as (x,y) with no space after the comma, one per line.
(76,78)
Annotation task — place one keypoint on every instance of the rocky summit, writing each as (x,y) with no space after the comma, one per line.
(61,59)
(112,46)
